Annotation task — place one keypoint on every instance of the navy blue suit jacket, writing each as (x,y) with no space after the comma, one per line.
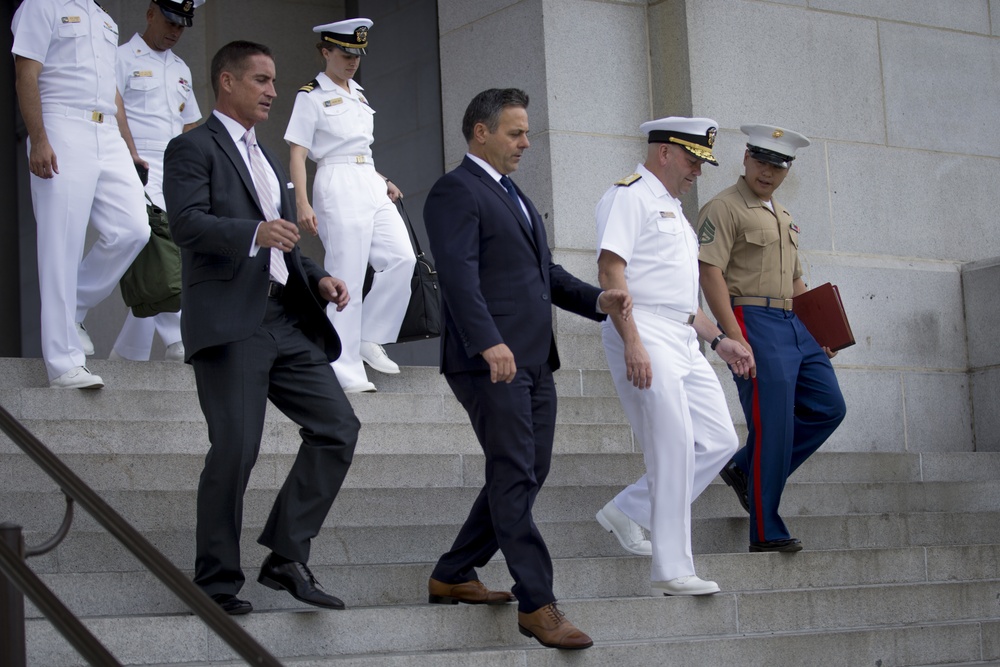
(498,281)
(214,213)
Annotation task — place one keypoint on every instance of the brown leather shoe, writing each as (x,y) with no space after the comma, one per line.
(469,592)
(549,626)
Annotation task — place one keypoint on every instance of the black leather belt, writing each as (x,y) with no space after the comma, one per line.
(274,290)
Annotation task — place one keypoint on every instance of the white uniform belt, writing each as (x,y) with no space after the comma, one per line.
(762,301)
(150,145)
(86,114)
(346,159)
(667,312)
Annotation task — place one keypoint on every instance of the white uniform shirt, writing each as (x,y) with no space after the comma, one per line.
(329,121)
(156,88)
(76,42)
(644,225)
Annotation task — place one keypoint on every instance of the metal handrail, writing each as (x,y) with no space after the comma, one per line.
(208,611)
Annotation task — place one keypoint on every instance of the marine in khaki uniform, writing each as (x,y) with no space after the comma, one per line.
(750,271)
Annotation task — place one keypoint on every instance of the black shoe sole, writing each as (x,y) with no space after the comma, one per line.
(782,548)
(738,485)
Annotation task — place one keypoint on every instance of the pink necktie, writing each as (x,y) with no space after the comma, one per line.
(279,272)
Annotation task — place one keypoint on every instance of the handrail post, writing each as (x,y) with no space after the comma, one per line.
(12,605)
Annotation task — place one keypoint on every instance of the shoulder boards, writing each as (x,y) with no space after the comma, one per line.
(308,88)
(629,180)
(99,5)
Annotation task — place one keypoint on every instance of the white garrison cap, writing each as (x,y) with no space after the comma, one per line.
(774,145)
(697,135)
(350,35)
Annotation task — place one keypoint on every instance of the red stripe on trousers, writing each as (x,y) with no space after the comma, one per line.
(757,449)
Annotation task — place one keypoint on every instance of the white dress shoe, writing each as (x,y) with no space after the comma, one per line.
(77,378)
(175,352)
(690,585)
(85,343)
(374,355)
(628,532)
(363,388)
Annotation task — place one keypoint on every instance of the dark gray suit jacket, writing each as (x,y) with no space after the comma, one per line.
(214,213)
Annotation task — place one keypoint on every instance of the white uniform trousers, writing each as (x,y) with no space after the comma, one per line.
(135,341)
(358,225)
(96,182)
(682,423)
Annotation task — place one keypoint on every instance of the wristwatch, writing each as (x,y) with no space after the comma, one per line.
(717,340)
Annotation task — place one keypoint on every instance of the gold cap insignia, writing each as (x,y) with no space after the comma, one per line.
(777,134)
(711,136)
(361,35)
(188,4)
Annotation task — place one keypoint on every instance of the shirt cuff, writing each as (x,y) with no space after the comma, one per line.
(254,248)
(597,306)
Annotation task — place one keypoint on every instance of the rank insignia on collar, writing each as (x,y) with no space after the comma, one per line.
(334,102)
(792,226)
(71,19)
(182,107)
(362,98)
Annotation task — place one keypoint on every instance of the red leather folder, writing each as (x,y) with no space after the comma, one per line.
(822,311)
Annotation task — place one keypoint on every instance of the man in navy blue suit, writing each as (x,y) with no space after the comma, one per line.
(498,353)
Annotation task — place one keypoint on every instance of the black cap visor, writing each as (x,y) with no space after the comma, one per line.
(770,157)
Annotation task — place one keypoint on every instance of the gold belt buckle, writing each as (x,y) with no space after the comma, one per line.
(359,159)
(97,116)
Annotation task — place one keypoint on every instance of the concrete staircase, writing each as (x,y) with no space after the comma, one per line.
(902,560)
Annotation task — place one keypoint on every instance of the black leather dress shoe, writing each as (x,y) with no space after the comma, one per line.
(299,581)
(788,544)
(734,476)
(232,605)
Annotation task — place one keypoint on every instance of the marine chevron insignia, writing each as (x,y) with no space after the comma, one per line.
(629,180)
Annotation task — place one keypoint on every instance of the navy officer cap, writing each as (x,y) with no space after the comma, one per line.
(695,135)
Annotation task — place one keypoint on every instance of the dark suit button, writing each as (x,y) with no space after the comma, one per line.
(545,297)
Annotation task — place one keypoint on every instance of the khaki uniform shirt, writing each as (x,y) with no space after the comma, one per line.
(756,249)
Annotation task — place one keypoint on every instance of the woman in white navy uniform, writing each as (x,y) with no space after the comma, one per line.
(155,86)
(353,210)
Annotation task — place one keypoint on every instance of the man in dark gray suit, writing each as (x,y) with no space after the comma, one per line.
(254,328)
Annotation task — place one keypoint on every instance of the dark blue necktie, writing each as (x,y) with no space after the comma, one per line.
(508,185)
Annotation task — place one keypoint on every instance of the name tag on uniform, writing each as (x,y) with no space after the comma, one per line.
(71,19)
(142,73)
(334,102)
(667,214)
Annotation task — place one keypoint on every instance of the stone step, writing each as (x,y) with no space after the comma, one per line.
(175,509)
(182,406)
(156,471)
(417,628)
(86,551)
(191,437)
(139,592)
(169,376)
(952,644)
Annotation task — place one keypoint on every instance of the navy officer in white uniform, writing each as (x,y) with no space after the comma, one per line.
(82,165)
(668,389)
(155,85)
(352,207)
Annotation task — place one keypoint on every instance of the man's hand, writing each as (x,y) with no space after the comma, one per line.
(279,234)
(42,159)
(334,290)
(501,361)
(738,356)
(307,218)
(638,368)
(830,354)
(616,301)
